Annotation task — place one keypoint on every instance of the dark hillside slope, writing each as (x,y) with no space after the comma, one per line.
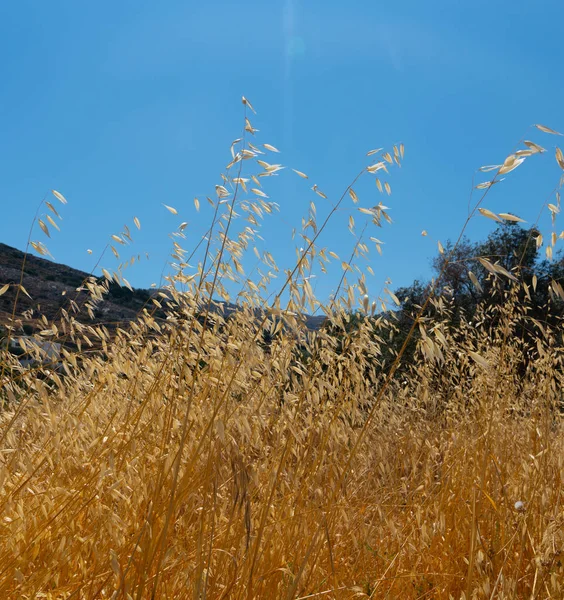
(51,285)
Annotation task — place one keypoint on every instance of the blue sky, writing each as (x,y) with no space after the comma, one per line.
(123,106)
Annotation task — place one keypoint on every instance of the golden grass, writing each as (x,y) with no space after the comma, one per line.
(191,460)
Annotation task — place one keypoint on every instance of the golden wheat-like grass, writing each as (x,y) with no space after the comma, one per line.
(188,458)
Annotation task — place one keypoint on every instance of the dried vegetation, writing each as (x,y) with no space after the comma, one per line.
(242,455)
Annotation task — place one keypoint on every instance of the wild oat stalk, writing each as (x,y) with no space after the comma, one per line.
(211,452)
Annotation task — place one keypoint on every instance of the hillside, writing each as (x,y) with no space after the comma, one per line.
(52,285)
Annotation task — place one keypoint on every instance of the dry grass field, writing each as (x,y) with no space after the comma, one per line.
(242,455)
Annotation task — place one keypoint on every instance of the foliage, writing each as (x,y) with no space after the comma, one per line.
(509,245)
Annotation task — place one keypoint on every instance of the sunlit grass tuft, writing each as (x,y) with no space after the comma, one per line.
(220,453)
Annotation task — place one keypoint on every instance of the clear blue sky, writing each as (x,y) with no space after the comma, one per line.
(125,105)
